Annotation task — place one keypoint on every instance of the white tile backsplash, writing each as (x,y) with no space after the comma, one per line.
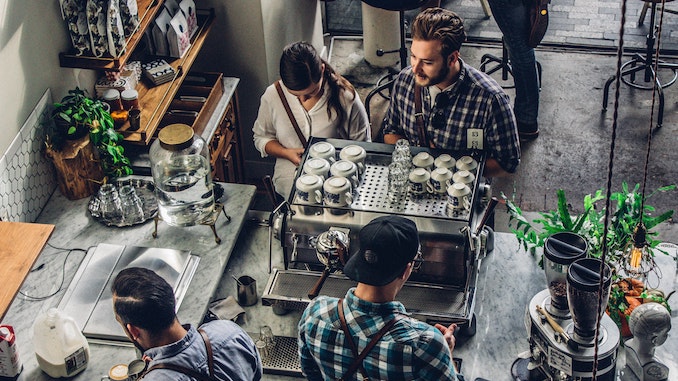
(27,177)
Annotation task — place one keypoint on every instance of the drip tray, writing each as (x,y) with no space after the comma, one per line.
(288,290)
(88,297)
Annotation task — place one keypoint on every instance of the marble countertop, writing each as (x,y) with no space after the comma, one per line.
(508,280)
(75,228)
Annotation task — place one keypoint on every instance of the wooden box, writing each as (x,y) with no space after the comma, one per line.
(194,102)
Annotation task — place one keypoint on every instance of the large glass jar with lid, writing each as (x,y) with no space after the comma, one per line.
(180,166)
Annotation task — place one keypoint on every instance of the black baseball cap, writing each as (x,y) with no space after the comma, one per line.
(387,245)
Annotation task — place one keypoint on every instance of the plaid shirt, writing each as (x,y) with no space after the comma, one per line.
(411,350)
(475,101)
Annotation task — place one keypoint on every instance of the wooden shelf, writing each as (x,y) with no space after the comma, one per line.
(154,101)
(147,12)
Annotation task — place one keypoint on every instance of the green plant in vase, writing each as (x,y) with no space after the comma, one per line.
(78,115)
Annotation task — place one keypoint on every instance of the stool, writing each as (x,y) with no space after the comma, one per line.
(392,5)
(503,63)
(646,63)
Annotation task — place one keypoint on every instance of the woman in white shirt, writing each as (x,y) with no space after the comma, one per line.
(323,103)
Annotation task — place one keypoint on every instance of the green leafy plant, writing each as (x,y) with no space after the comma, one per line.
(78,115)
(590,225)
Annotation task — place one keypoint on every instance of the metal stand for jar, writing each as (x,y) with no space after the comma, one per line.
(211,221)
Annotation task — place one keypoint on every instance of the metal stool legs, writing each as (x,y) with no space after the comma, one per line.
(646,64)
(503,63)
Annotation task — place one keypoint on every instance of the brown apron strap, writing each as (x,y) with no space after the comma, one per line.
(300,135)
(210,356)
(419,117)
(357,363)
(190,372)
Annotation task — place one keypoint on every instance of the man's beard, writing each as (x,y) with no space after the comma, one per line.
(430,81)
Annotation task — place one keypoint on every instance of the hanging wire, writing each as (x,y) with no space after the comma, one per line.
(610,166)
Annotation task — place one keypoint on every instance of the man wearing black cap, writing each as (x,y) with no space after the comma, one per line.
(367,332)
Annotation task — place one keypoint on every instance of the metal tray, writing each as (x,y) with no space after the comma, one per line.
(145,189)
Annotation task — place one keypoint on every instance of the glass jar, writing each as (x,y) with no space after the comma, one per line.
(180,166)
(112,97)
(130,99)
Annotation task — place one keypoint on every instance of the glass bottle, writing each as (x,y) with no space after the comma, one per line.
(180,166)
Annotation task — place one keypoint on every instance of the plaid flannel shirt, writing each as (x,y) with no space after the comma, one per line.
(475,101)
(411,350)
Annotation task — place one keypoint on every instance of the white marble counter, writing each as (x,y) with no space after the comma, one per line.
(509,278)
(75,228)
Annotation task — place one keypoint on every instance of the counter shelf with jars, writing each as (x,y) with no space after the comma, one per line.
(153,101)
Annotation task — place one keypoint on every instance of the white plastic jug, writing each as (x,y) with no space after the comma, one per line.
(60,347)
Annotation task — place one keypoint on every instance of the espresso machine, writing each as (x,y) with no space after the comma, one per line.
(318,239)
(561,320)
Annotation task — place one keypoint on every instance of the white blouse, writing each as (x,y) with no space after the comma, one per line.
(273,124)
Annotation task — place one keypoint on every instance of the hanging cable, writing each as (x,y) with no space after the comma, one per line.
(610,167)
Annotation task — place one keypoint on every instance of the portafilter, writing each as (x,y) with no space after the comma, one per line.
(331,248)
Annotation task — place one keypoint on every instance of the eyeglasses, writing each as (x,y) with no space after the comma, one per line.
(418,260)
(442,100)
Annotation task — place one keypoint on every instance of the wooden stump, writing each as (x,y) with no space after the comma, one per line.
(78,169)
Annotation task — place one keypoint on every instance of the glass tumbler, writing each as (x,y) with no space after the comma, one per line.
(266,335)
(397,181)
(402,154)
(131,205)
(109,202)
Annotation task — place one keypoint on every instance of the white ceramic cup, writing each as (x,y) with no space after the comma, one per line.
(458,198)
(440,178)
(445,161)
(337,191)
(465,177)
(467,163)
(423,160)
(356,154)
(347,169)
(323,150)
(309,189)
(419,181)
(317,166)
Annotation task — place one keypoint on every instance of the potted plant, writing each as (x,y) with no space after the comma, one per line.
(78,115)
(625,293)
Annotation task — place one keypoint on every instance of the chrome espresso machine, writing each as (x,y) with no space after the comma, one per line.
(318,239)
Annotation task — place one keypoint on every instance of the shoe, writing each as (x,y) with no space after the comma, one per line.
(527,132)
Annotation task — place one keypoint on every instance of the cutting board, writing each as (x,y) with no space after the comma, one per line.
(20,245)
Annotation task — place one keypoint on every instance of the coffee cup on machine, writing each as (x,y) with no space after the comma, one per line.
(419,181)
(458,199)
(337,191)
(440,178)
(317,166)
(356,154)
(467,163)
(347,169)
(465,177)
(309,189)
(323,150)
(423,160)
(445,161)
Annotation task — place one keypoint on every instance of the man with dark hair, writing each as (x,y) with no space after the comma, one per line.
(440,101)
(144,306)
(367,333)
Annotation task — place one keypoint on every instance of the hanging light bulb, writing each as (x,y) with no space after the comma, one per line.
(637,258)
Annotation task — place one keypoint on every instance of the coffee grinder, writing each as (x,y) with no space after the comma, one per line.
(561,320)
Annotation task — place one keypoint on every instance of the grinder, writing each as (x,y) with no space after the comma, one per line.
(563,347)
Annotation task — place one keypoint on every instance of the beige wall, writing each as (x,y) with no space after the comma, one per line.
(32,34)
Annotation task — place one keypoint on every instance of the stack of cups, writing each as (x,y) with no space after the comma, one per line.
(397,181)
